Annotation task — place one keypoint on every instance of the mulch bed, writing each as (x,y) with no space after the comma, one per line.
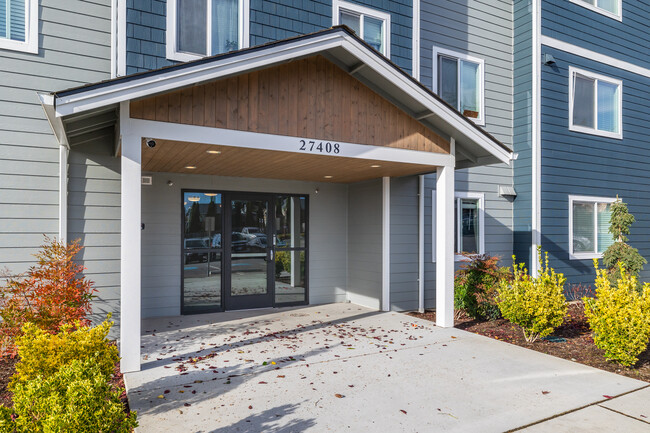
(570,341)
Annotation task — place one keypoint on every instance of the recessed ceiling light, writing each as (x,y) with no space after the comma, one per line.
(213,152)
(375,166)
(190,167)
(210,194)
(193,198)
(328,177)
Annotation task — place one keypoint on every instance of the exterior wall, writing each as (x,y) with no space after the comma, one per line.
(94,217)
(365,243)
(522,129)
(161,239)
(627,40)
(269,21)
(584,164)
(404,238)
(74,49)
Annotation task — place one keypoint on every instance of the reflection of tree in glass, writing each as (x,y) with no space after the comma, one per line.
(212,208)
(194,225)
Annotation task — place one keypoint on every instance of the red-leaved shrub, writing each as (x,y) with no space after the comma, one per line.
(50,294)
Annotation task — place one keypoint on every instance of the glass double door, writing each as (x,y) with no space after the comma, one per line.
(243,251)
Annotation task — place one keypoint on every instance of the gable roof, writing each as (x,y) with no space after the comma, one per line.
(474,146)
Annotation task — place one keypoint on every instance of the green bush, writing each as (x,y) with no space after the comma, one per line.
(77,398)
(619,316)
(62,383)
(475,286)
(620,253)
(538,304)
(42,353)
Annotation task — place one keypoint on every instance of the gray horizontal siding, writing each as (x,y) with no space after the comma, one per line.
(74,49)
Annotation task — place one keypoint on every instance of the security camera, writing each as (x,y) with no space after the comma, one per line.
(151,143)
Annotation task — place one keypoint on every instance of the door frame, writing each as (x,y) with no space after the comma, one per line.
(226,197)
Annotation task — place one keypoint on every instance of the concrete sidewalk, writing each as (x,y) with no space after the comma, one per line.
(342,367)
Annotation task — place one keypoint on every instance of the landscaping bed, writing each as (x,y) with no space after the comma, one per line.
(570,341)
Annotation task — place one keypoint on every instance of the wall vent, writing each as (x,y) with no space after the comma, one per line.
(147,180)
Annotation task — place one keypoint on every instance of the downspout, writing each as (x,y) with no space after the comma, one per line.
(421,243)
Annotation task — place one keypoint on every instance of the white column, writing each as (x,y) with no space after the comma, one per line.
(63,193)
(445,247)
(421,243)
(385,242)
(130,254)
(294,210)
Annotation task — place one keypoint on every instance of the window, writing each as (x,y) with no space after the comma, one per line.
(610,8)
(372,26)
(595,104)
(469,233)
(199,28)
(589,233)
(19,25)
(458,79)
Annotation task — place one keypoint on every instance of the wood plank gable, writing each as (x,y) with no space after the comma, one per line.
(308,98)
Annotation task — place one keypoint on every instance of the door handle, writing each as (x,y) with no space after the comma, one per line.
(271,253)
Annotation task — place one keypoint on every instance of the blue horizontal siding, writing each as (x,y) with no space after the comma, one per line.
(626,40)
(270,20)
(583,164)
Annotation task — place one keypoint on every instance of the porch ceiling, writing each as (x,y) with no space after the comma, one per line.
(176,156)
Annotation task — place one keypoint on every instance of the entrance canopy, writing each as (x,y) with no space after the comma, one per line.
(306,87)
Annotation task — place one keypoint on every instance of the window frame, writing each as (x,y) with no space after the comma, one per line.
(458,196)
(595,201)
(617,16)
(437,51)
(30,45)
(597,77)
(172,52)
(338,5)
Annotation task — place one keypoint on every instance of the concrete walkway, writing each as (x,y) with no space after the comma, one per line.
(340,367)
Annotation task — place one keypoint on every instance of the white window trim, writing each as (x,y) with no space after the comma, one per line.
(481,222)
(598,77)
(618,16)
(461,56)
(172,40)
(337,5)
(587,199)
(30,45)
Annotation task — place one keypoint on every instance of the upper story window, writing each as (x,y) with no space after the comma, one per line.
(610,8)
(589,219)
(371,25)
(595,104)
(469,233)
(459,80)
(19,25)
(199,28)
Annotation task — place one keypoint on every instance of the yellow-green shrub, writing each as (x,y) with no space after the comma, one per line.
(42,353)
(619,316)
(76,398)
(538,304)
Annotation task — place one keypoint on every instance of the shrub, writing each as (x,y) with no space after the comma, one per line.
(620,253)
(51,294)
(619,316)
(42,354)
(76,398)
(537,304)
(475,286)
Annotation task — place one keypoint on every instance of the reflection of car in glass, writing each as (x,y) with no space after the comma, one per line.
(251,231)
(197,243)
(582,244)
(239,241)
(258,242)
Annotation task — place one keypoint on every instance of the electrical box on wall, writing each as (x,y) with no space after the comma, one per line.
(147,180)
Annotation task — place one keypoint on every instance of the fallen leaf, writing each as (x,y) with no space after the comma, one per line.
(250,407)
(161,396)
(338,396)
(545,392)
(607,396)
(187,404)
(166,391)
(403,411)
(261,383)
(281,376)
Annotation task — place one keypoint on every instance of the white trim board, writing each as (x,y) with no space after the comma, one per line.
(595,56)
(596,77)
(616,16)
(256,140)
(415,40)
(536,145)
(586,199)
(30,44)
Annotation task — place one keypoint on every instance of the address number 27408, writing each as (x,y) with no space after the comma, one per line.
(319,146)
